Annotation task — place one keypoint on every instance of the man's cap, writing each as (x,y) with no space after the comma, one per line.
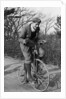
(36,20)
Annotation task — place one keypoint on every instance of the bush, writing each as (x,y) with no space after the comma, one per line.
(12,48)
(52,50)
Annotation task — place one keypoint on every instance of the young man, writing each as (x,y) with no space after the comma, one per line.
(29,32)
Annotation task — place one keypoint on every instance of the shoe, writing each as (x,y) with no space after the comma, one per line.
(32,81)
(25,81)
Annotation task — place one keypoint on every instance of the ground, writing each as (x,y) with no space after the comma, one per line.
(12,84)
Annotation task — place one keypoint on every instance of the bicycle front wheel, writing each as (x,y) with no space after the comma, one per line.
(42,76)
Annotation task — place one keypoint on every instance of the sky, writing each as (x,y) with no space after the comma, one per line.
(52,11)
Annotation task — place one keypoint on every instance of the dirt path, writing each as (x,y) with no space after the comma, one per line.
(11,82)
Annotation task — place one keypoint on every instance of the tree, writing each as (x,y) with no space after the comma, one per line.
(48,23)
(14,21)
(57,26)
(8,12)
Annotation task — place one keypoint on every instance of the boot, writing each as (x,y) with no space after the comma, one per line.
(30,78)
(25,75)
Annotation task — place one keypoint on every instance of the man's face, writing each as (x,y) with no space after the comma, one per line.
(35,25)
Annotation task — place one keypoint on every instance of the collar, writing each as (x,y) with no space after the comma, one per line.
(32,29)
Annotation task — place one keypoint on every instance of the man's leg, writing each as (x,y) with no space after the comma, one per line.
(27,64)
(25,69)
(25,74)
(29,75)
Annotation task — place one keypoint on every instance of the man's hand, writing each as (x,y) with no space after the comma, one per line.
(29,42)
(24,41)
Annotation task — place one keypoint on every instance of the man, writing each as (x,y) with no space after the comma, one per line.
(29,32)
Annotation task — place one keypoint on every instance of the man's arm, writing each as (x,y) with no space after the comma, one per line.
(22,35)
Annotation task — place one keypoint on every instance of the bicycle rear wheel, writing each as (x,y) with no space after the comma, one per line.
(42,76)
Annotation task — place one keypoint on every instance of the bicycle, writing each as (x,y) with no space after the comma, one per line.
(38,70)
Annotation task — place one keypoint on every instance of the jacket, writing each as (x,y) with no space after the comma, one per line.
(26,33)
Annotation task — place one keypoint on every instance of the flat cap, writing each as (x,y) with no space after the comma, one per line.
(36,20)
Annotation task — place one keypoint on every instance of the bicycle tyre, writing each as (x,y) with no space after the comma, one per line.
(42,78)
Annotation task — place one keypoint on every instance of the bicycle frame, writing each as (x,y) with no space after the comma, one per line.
(35,56)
